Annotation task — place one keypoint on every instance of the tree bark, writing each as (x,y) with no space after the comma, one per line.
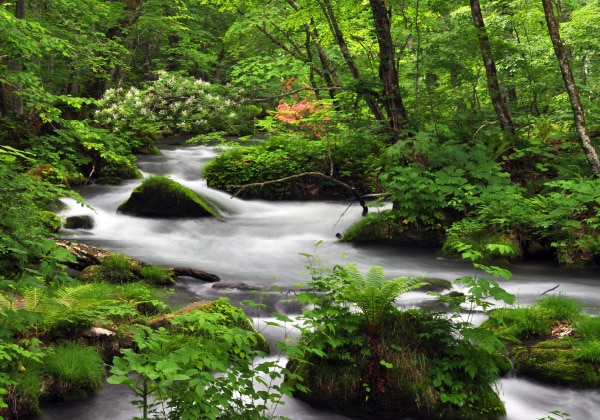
(498,101)
(388,72)
(569,81)
(16,65)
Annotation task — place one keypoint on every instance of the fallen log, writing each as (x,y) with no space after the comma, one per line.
(192,272)
(87,255)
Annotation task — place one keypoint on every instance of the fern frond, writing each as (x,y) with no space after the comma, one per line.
(34,298)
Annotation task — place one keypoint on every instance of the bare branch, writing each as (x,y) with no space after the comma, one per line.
(302,175)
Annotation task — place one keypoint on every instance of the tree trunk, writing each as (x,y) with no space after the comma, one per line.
(16,65)
(567,75)
(388,73)
(498,100)
(341,41)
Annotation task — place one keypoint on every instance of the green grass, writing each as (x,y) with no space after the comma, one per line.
(73,371)
(561,307)
(157,276)
(588,327)
(516,324)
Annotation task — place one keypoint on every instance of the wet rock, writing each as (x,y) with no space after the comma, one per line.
(79,222)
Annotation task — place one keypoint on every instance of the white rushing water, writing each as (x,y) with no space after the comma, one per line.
(259,243)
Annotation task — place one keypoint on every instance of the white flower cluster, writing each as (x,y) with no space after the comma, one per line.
(171,102)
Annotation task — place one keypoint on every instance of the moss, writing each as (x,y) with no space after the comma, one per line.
(159,196)
(556,366)
(545,344)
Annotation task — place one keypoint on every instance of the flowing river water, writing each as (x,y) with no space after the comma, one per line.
(260,243)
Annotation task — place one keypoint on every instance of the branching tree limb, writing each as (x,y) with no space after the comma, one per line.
(302,175)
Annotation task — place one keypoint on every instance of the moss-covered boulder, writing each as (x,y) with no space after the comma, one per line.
(555,363)
(392,228)
(284,158)
(551,341)
(416,368)
(230,317)
(159,196)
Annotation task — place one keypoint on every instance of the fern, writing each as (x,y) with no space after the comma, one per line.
(373,294)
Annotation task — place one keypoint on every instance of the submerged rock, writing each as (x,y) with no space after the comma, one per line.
(79,222)
(159,196)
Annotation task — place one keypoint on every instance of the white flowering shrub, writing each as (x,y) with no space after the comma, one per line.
(171,104)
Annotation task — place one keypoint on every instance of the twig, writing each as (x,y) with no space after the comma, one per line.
(549,290)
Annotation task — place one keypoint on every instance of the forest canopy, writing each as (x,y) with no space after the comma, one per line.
(457,113)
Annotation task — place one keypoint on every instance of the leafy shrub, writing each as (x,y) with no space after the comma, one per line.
(170,104)
(418,364)
(280,157)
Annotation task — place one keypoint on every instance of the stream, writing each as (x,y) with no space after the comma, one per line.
(260,243)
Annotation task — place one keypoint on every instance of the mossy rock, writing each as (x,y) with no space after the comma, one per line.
(391,228)
(557,366)
(79,222)
(232,318)
(159,196)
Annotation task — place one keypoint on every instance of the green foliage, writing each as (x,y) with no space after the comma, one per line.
(564,214)
(116,268)
(15,358)
(588,327)
(446,365)
(25,252)
(456,179)
(175,370)
(373,294)
(75,371)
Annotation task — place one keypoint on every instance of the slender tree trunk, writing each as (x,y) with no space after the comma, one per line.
(498,100)
(341,41)
(388,73)
(567,75)
(16,65)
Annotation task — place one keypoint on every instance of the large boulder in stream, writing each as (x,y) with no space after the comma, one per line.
(159,196)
